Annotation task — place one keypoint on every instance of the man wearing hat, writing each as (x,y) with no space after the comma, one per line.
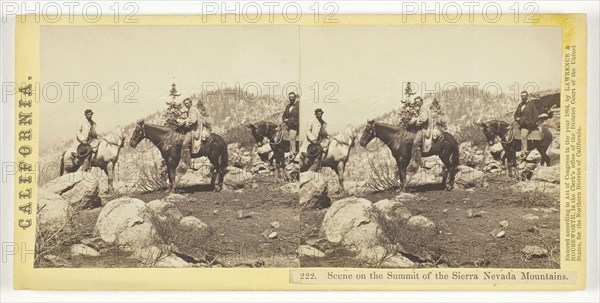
(191,124)
(291,118)
(86,135)
(316,134)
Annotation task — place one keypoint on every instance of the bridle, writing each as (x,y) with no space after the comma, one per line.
(144,136)
(276,131)
(497,132)
(372,131)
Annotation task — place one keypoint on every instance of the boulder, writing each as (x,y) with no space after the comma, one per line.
(492,166)
(127,222)
(423,177)
(191,180)
(309,251)
(192,222)
(534,251)
(355,188)
(81,189)
(164,211)
(236,178)
(53,210)
(547,174)
(468,176)
(397,261)
(432,162)
(403,197)
(352,222)
(172,261)
(534,156)
(313,190)
(83,250)
(422,224)
(393,210)
(554,155)
(496,148)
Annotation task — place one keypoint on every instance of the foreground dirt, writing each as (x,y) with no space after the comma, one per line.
(232,242)
(241,222)
(464,241)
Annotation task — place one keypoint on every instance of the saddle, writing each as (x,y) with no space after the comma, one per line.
(429,136)
(201,135)
(85,150)
(515,134)
(317,149)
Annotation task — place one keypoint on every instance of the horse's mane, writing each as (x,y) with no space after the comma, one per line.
(497,121)
(390,126)
(265,123)
(115,136)
(347,135)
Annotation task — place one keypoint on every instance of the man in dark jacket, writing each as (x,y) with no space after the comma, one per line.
(291,117)
(526,116)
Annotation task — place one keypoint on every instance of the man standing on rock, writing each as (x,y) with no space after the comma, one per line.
(86,135)
(526,117)
(291,118)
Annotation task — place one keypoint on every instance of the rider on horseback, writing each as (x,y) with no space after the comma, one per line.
(291,119)
(422,124)
(88,140)
(526,118)
(190,122)
(316,135)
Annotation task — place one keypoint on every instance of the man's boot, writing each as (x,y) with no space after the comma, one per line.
(416,160)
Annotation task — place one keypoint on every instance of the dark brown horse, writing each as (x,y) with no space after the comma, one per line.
(400,143)
(495,128)
(270,132)
(169,143)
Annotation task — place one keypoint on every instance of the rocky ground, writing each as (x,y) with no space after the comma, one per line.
(488,220)
(252,223)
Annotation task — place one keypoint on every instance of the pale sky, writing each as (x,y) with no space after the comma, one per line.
(366,64)
(369,64)
(151,56)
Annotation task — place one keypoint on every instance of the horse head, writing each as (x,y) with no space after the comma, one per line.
(488,131)
(139,133)
(256,134)
(368,134)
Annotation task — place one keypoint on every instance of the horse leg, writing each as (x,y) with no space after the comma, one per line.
(279,163)
(341,166)
(545,158)
(213,178)
(214,173)
(449,171)
(402,164)
(171,168)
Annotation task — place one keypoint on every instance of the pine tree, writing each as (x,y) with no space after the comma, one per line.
(173,111)
(408,91)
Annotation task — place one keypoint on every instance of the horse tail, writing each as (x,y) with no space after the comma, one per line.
(224,157)
(454,147)
(455,155)
(62,164)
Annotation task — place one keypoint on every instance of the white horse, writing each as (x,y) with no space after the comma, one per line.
(338,152)
(105,158)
